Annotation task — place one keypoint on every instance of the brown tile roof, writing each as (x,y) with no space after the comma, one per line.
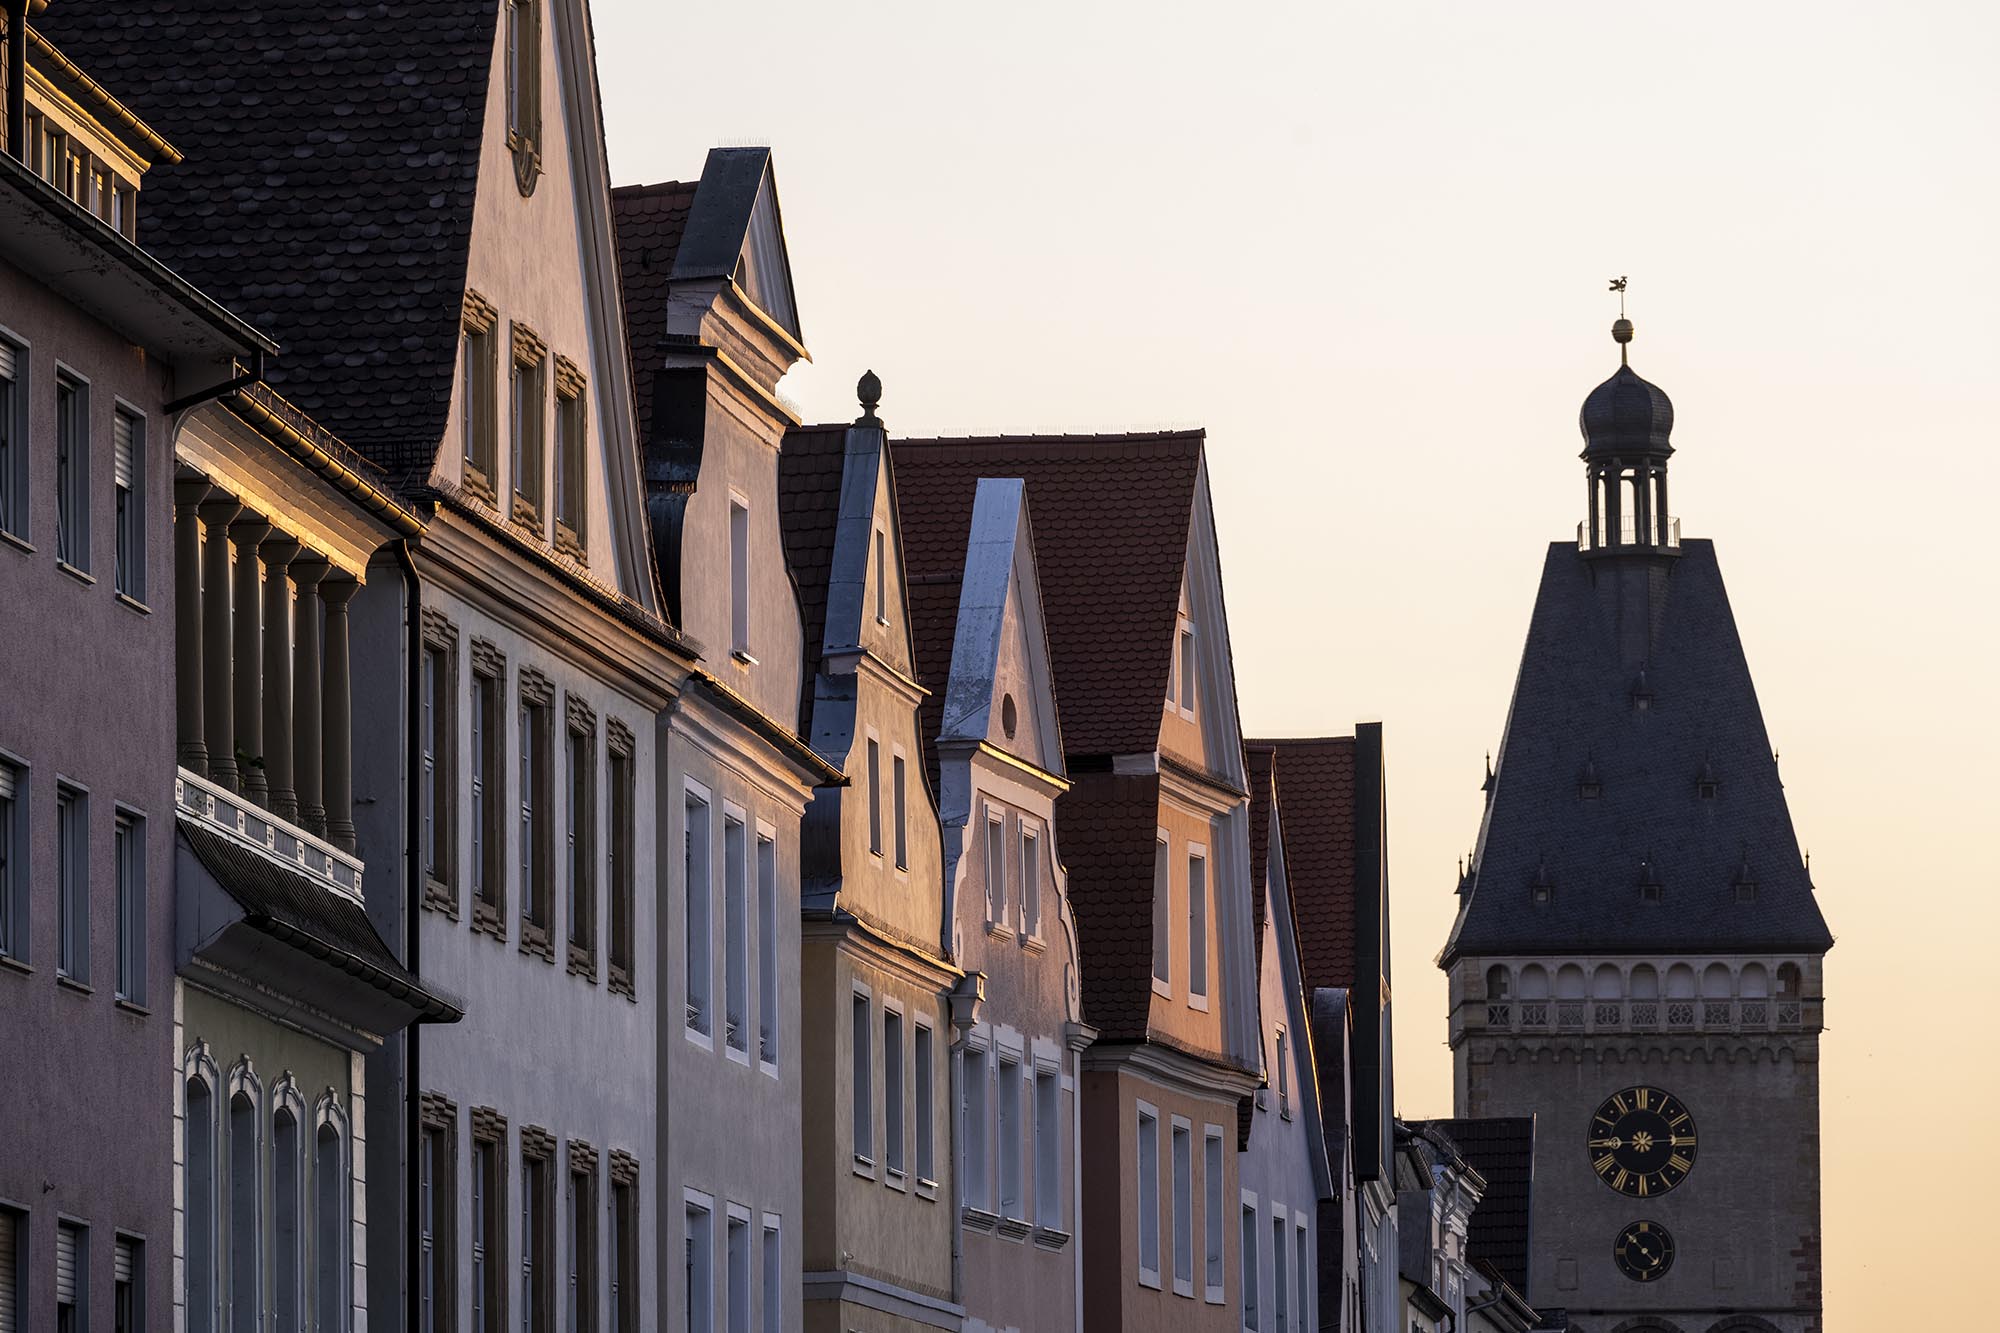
(649,220)
(1111,515)
(1317,778)
(810,467)
(935,517)
(1107,824)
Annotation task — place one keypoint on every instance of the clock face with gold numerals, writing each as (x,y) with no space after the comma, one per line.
(1644,1252)
(1642,1142)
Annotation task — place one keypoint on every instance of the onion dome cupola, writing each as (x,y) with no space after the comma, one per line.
(1626,422)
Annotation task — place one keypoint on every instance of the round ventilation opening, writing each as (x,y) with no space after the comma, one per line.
(1007,718)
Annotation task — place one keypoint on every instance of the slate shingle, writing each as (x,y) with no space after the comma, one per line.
(1316,777)
(1502,1149)
(810,466)
(649,220)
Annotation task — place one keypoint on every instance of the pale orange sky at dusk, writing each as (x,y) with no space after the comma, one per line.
(1367,247)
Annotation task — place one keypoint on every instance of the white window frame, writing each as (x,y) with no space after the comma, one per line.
(998,909)
(1198,919)
(736,1022)
(1284,1063)
(895,1080)
(899,806)
(1010,1193)
(1281,1294)
(923,1076)
(1187,663)
(128,569)
(1249,1263)
(874,762)
(861,1051)
(770,975)
(1305,1276)
(881,576)
(1163,913)
(1215,1220)
(771,1257)
(739,578)
(701,1261)
(1147,1190)
(1028,835)
(974,1141)
(1048,1145)
(1181,1166)
(736,1268)
(699,1027)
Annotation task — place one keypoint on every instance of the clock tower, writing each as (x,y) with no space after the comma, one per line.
(1637,956)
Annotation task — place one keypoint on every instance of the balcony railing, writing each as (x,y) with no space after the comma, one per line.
(1780,1013)
(1629,539)
(246,821)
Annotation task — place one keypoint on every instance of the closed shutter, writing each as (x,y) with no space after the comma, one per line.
(122,1261)
(122,432)
(7,371)
(8,1322)
(65,1265)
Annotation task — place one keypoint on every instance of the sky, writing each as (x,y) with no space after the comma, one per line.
(1367,248)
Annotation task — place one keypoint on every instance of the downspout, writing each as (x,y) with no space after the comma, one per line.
(254,375)
(413,889)
(17,79)
(1472,1310)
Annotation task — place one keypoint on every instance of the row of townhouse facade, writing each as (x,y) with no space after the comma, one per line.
(621,857)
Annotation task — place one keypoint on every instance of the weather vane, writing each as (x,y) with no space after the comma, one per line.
(1621,332)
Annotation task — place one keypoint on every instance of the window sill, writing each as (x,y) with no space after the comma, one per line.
(737,1055)
(1213,1295)
(71,983)
(1183,1288)
(699,1038)
(1198,1003)
(978,1219)
(133,1007)
(1163,989)
(132,604)
(1051,1238)
(1034,943)
(10,963)
(79,575)
(769,1068)
(999,930)
(896,1180)
(927,1188)
(742,657)
(864,1167)
(19,543)
(1013,1228)
(1147,1278)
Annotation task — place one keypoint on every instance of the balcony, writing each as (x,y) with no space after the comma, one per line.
(1629,540)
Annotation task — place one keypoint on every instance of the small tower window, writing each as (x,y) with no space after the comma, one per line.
(1588,785)
(1543,890)
(1650,888)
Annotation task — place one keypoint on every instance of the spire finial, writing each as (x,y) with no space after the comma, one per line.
(1621,330)
(869,390)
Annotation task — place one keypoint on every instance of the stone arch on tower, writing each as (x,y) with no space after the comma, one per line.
(1647,1323)
(1743,1323)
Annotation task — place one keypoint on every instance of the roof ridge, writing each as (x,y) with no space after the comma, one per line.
(647,190)
(1198,433)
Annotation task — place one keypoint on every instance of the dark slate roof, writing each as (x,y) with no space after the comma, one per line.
(1111,523)
(1107,824)
(810,466)
(331,158)
(1626,415)
(1503,1150)
(304,914)
(649,220)
(1258,767)
(1317,778)
(936,523)
(1574,705)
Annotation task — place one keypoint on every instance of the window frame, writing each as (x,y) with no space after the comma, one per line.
(874,761)
(701,1320)
(72,486)
(572,460)
(1215,1234)
(895,1080)
(1249,1264)
(698,891)
(16,436)
(528,426)
(535,828)
(1147,1182)
(998,910)
(479,435)
(438,751)
(129,510)
(437,1211)
(736,1268)
(1028,834)
(1181,1139)
(771,1258)
(580,1247)
(736,932)
(1197,917)
(974,1138)
(621,868)
(624,1296)
(580,833)
(486,789)
(1010,1194)
(538,1168)
(740,591)
(16,861)
(72,846)
(923,1079)
(1163,913)
(488,1247)
(861,1100)
(523,58)
(128,863)
(770,972)
(77,1233)
(899,787)
(1048,1146)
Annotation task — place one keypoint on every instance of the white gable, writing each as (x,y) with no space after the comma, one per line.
(763,270)
(999,655)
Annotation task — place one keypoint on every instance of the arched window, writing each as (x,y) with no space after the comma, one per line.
(198,1167)
(246,1133)
(1606,983)
(1680,982)
(1645,983)
(1756,982)
(1534,983)
(1788,981)
(331,1297)
(1569,982)
(1498,983)
(1715,982)
(288,1166)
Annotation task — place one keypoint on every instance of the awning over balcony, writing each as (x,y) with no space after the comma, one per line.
(292,938)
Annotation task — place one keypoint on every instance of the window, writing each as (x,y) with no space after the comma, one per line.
(333,1283)
(437,1216)
(1187,669)
(623,817)
(1280,1297)
(13,1244)
(698,888)
(1249,1274)
(892,1090)
(489,839)
(128,504)
(1183,1141)
(1213,1219)
(72,885)
(996,868)
(881,577)
(863,1076)
(1163,898)
(1197,927)
(72,472)
(437,744)
(874,796)
(1048,1149)
(1149,1198)
(700,1268)
(1301,1274)
(13,862)
(767,950)
(13,438)
(975,1167)
(198,1158)
(288,1221)
(489,1223)
(774,1277)
(524,91)
(735,935)
(572,465)
(624,1245)
(537,819)
(476,387)
(926,1148)
(246,1248)
(1284,1063)
(738,1308)
(739,577)
(529,407)
(582,1246)
(72,1278)
(898,767)
(128,854)
(128,1284)
(1008,1126)
(580,825)
(1031,883)
(537,1232)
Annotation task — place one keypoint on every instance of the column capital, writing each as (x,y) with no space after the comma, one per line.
(248,529)
(337,588)
(278,550)
(308,568)
(190,492)
(220,508)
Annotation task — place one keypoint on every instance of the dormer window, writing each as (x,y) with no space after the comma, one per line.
(524,91)
(1650,888)
(1588,785)
(1543,890)
(1706,785)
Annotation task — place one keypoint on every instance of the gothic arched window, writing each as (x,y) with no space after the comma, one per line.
(199,1181)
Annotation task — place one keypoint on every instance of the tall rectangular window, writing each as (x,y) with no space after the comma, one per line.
(13,438)
(996,867)
(700,1313)
(438,748)
(1280,1293)
(1197,927)
(1284,1073)
(881,577)
(437,1216)
(13,862)
(1007,1125)
(530,407)
(1213,1219)
(739,578)
(1163,897)
(72,472)
(128,440)
(923,1074)
(624,813)
(1183,1209)
(1187,668)
(874,796)
(572,465)
(1149,1198)
(489,840)
(767,950)
(892,1090)
(774,1277)
(624,1246)
(476,417)
(735,935)
(537,1238)
(72,884)
(537,821)
(1031,881)
(128,1282)
(72,1278)
(582,1247)
(1301,1271)
(128,853)
(738,1259)
(976,1166)
(1048,1149)
(13,1285)
(489,1229)
(699,890)
(580,826)
(902,812)
(1249,1267)
(863,1078)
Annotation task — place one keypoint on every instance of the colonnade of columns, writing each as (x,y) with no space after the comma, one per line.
(265,699)
(1611,522)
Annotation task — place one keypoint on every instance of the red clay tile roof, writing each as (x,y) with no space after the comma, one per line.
(810,467)
(648,220)
(1107,824)
(1317,778)
(1258,761)
(1111,516)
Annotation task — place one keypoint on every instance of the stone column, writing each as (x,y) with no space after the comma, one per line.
(283,797)
(337,726)
(1666,514)
(247,641)
(307,572)
(193,741)
(218,708)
